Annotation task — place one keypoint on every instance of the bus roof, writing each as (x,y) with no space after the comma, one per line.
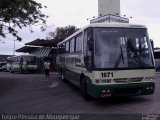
(116,25)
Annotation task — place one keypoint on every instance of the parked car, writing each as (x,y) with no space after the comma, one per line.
(3,68)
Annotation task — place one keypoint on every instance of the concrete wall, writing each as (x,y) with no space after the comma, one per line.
(108,7)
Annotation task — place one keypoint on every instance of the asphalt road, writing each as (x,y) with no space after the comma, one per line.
(33,93)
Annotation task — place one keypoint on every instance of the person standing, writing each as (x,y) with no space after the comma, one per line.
(47,67)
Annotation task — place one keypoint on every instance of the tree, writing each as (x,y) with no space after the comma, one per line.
(16,14)
(62,32)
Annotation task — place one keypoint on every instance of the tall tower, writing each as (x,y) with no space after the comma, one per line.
(106,7)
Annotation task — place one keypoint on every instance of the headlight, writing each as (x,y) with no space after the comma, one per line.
(149,79)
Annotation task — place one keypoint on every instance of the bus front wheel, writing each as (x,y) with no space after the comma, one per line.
(83,88)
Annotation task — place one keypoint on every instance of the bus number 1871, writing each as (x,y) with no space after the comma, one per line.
(107,74)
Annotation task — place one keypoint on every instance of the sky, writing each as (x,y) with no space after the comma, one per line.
(76,12)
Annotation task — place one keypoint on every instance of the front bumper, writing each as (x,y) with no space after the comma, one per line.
(118,90)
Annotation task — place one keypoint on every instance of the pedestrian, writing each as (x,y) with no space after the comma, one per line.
(46,68)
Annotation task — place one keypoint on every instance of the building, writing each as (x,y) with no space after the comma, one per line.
(106,7)
(109,11)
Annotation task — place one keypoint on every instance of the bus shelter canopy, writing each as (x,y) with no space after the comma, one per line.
(26,49)
(42,52)
(42,42)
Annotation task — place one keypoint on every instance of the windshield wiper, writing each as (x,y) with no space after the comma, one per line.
(119,58)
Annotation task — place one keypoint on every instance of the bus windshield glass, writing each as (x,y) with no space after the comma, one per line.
(28,59)
(116,48)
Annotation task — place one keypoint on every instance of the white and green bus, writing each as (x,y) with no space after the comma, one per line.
(108,60)
(22,63)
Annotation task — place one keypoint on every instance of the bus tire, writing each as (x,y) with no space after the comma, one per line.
(83,88)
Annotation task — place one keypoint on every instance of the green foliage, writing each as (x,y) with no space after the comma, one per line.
(62,32)
(18,14)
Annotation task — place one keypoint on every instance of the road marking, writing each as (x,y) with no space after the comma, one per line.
(54,84)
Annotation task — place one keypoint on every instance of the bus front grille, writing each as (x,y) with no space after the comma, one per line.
(128,80)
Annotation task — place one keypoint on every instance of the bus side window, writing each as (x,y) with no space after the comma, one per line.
(67,47)
(87,49)
(78,45)
(72,45)
(61,49)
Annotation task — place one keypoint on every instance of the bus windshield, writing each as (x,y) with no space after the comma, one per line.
(122,48)
(28,59)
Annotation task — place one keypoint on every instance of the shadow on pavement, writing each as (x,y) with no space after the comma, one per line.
(6,86)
